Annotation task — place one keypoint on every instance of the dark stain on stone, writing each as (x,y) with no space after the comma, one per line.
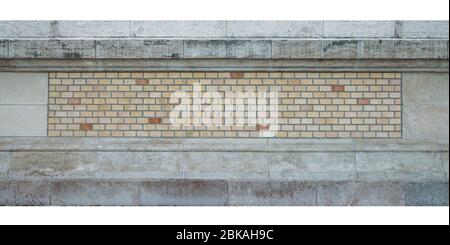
(72,55)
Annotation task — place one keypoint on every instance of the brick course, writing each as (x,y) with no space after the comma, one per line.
(311,105)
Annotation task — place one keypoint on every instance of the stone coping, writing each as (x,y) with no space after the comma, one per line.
(220,145)
(251,49)
(224,29)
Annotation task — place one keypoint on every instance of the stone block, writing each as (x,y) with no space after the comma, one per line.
(55,144)
(427,194)
(92,29)
(310,145)
(251,49)
(91,193)
(185,29)
(23,120)
(231,145)
(425,121)
(138,48)
(31,193)
(6,194)
(445,164)
(183,193)
(399,166)
(5,163)
(313,166)
(359,29)
(138,165)
(225,165)
(274,29)
(272,194)
(404,49)
(3,48)
(205,49)
(53,165)
(52,48)
(140,144)
(25,29)
(23,88)
(297,49)
(422,29)
(425,88)
(340,49)
(360,194)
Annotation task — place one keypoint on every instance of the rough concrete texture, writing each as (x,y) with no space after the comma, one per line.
(5,163)
(222,29)
(427,194)
(183,193)
(221,193)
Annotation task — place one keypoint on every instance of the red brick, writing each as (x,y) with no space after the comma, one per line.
(154,120)
(74,101)
(261,127)
(236,75)
(142,82)
(338,88)
(363,101)
(86,126)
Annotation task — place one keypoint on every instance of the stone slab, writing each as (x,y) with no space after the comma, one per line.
(5,163)
(23,88)
(91,193)
(139,165)
(177,29)
(425,88)
(403,49)
(52,48)
(53,165)
(23,120)
(225,145)
(359,29)
(25,29)
(272,194)
(6,194)
(422,29)
(396,166)
(313,166)
(360,194)
(183,193)
(225,165)
(425,121)
(4,44)
(427,194)
(32,193)
(92,29)
(445,164)
(139,48)
(140,144)
(274,29)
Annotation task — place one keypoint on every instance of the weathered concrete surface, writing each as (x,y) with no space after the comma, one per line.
(51,48)
(427,194)
(419,166)
(137,48)
(5,163)
(403,49)
(139,165)
(90,193)
(222,29)
(230,165)
(140,144)
(360,194)
(422,29)
(23,88)
(6,194)
(313,166)
(272,194)
(53,165)
(361,29)
(183,193)
(23,120)
(31,193)
(426,105)
(445,164)
(3,49)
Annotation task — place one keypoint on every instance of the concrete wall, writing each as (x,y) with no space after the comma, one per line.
(23,104)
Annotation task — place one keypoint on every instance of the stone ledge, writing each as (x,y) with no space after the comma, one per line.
(224,49)
(224,29)
(221,193)
(220,144)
